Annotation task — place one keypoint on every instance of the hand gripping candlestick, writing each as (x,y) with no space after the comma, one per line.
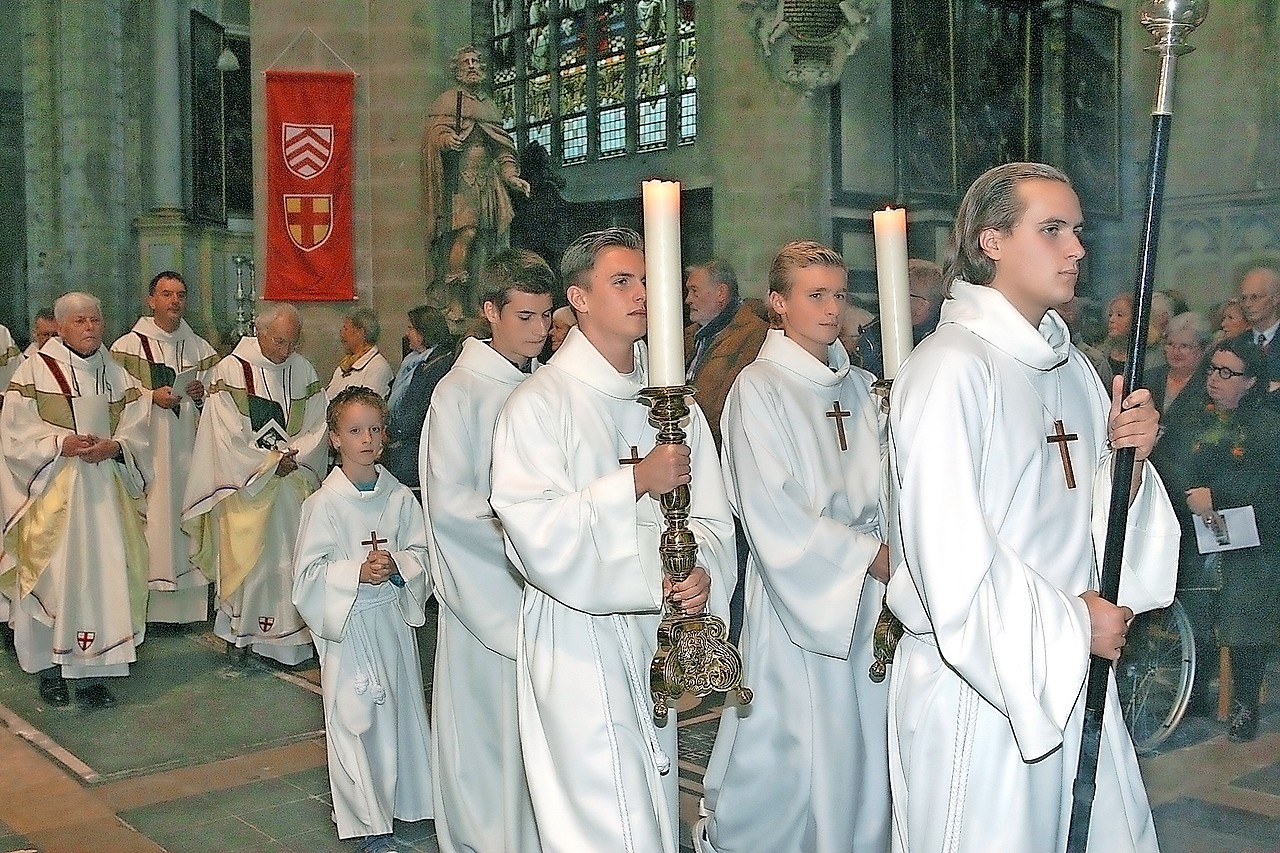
(1170,21)
(694,654)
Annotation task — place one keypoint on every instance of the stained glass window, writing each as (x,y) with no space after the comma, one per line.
(594,79)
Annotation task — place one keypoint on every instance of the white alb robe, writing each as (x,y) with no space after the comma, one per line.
(10,358)
(986,694)
(602,777)
(375,716)
(482,795)
(803,768)
(178,588)
(76,554)
(372,370)
(243,517)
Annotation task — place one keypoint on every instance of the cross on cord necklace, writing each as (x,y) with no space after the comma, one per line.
(1060,435)
(838,415)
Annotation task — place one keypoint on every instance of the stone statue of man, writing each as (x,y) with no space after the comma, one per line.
(469,167)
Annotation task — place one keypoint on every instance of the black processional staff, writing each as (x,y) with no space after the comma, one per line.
(1170,21)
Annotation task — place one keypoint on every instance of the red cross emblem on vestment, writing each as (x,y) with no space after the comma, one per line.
(265,623)
(307,148)
(84,639)
(309,220)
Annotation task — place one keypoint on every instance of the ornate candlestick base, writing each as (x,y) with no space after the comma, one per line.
(694,654)
(888,630)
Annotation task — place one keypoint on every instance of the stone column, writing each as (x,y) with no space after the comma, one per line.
(166,107)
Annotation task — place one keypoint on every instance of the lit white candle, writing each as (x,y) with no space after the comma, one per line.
(894,287)
(665,287)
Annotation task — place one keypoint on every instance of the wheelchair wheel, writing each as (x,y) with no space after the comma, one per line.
(1154,674)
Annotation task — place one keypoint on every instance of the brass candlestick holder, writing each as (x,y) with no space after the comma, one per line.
(888,630)
(694,653)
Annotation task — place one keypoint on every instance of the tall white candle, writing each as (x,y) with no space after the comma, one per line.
(665,287)
(894,287)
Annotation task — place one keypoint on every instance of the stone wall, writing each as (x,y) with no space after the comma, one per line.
(82,101)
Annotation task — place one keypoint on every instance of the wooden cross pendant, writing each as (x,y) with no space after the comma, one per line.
(373,541)
(635,458)
(1060,437)
(839,415)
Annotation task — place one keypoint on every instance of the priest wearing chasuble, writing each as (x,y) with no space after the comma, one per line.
(262,445)
(576,476)
(161,352)
(74,433)
(1002,440)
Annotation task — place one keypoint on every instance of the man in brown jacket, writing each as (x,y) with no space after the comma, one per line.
(723,336)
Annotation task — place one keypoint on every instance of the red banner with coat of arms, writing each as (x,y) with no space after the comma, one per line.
(309,174)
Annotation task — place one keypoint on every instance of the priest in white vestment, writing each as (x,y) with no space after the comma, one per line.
(1002,442)
(74,432)
(803,768)
(10,357)
(575,475)
(261,451)
(482,796)
(160,350)
(363,363)
(376,729)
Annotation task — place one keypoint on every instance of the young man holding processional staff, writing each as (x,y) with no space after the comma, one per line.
(576,477)
(1002,440)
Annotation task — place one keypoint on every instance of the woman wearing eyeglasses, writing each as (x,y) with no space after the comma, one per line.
(1224,456)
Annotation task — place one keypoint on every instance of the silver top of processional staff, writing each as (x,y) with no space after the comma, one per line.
(1170,21)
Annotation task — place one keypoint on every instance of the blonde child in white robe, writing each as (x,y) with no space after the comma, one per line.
(360,583)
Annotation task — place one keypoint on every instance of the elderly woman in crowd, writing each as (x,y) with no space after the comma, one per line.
(429,358)
(1184,343)
(1222,455)
(362,364)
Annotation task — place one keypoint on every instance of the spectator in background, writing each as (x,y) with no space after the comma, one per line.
(1227,319)
(1260,299)
(1070,313)
(723,336)
(1119,318)
(1184,342)
(562,320)
(853,319)
(430,356)
(363,364)
(1223,455)
(925,280)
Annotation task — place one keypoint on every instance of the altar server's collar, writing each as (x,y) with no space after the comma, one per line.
(988,314)
(579,358)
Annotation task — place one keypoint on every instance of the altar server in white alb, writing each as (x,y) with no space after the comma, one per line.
(1002,441)
(158,352)
(261,451)
(74,432)
(482,796)
(803,767)
(576,476)
(360,581)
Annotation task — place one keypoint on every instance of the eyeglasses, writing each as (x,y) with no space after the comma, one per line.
(1181,347)
(1223,372)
